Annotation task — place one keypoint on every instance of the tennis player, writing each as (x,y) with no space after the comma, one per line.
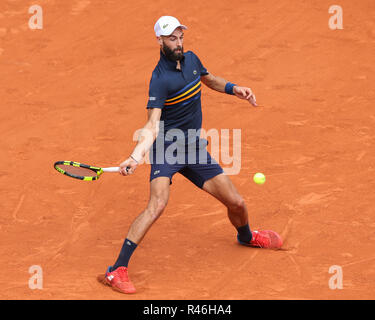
(175,103)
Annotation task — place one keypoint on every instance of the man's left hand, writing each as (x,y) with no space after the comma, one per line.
(246,94)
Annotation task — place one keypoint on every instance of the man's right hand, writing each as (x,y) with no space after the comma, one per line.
(129,163)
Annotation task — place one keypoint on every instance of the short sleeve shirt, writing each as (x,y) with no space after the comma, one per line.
(177,93)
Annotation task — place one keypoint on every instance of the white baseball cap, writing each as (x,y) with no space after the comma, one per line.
(166,25)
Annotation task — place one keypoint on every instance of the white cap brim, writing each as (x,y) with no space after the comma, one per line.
(168,31)
(166,25)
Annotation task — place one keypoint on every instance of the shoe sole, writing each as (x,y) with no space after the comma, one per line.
(106,282)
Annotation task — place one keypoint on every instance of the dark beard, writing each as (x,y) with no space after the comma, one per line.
(172,54)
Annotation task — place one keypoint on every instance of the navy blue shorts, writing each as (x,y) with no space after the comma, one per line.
(197,165)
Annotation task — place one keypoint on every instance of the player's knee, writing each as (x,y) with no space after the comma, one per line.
(237,204)
(157,207)
(161,204)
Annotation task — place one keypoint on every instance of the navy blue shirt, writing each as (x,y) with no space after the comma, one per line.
(177,93)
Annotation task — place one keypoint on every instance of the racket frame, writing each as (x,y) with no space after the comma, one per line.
(97,170)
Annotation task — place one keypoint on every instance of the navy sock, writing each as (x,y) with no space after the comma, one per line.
(244,233)
(126,252)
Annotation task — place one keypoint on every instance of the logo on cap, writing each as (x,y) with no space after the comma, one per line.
(195,72)
(166,25)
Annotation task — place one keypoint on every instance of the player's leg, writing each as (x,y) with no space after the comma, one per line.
(207,174)
(210,177)
(159,194)
(222,188)
(117,275)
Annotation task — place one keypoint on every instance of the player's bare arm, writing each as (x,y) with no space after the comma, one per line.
(218,84)
(145,140)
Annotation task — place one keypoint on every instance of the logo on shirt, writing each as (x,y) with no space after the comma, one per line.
(156,172)
(152,98)
(195,72)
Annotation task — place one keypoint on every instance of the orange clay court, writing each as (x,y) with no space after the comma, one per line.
(77,90)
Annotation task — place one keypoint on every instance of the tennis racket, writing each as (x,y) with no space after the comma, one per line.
(82,171)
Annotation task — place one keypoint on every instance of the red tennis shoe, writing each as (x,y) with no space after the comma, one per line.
(264,239)
(119,280)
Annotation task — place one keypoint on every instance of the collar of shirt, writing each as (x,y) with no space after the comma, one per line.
(171,64)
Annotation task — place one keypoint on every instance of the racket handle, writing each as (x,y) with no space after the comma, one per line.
(111,169)
(114,169)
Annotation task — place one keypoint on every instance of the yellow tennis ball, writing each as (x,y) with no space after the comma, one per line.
(259,178)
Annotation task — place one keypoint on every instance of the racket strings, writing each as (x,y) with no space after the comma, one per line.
(78,171)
